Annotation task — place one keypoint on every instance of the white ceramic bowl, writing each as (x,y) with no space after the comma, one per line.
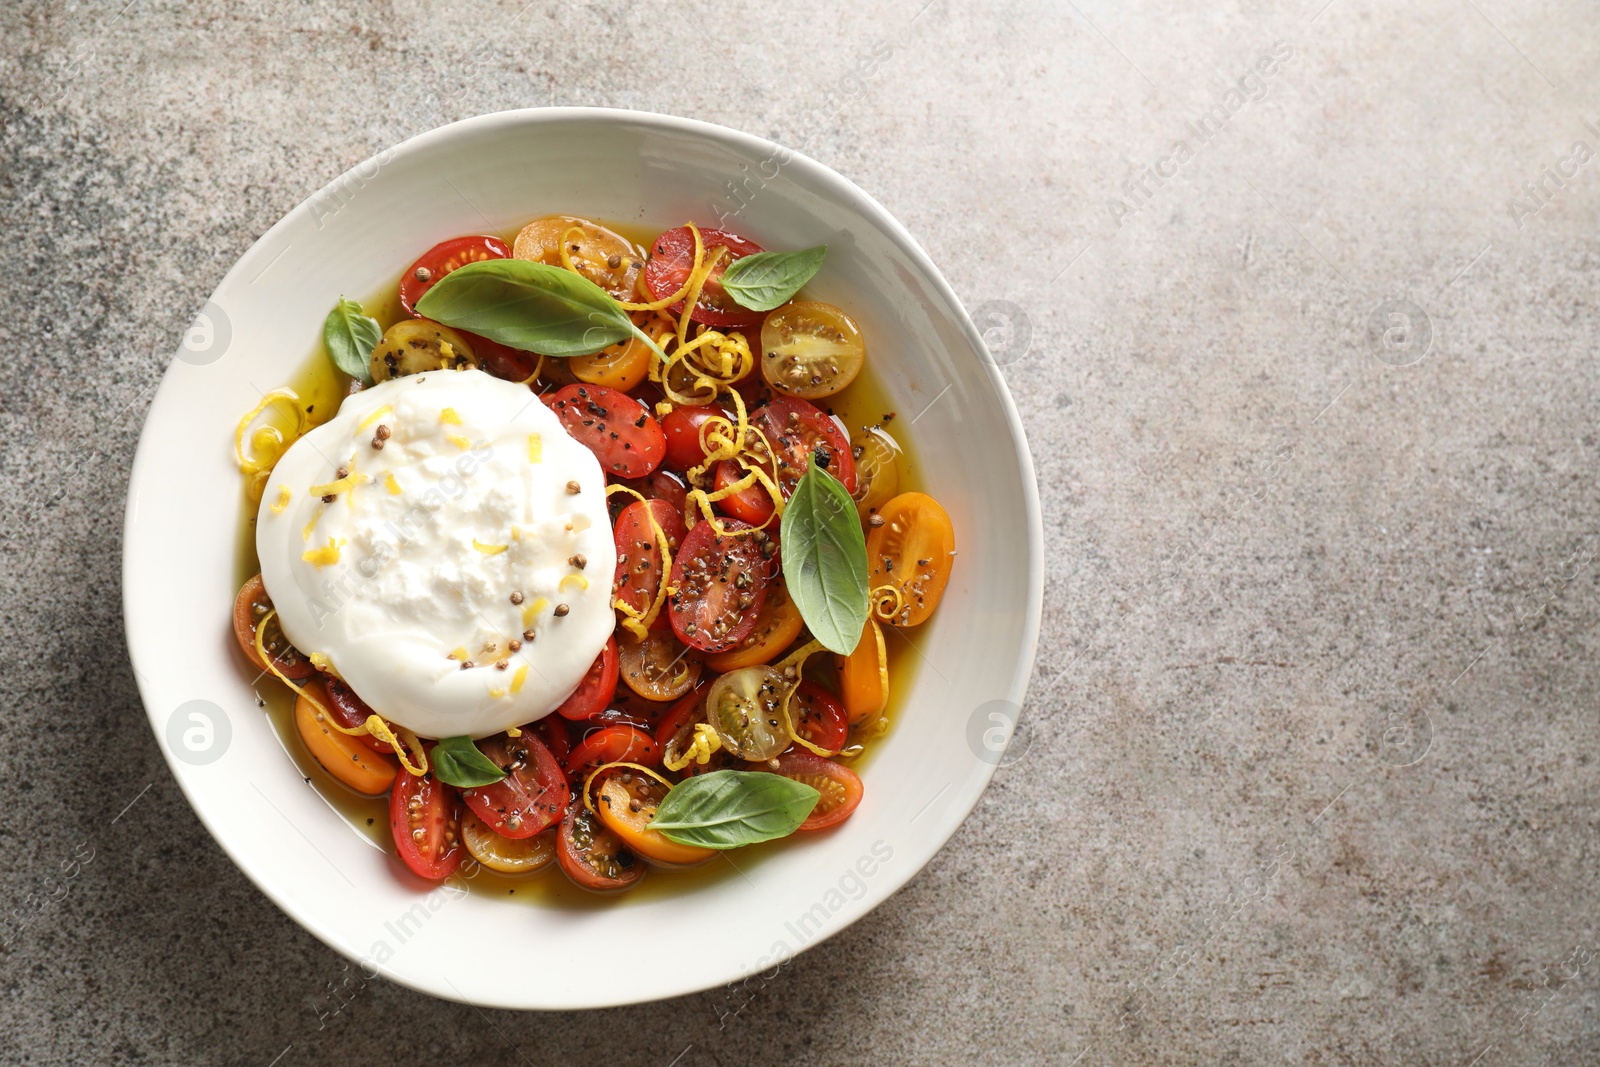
(491,174)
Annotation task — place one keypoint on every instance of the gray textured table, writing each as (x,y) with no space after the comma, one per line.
(1308,772)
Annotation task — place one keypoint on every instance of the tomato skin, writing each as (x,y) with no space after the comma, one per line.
(597,687)
(531,797)
(594,857)
(682,427)
(715,606)
(672,259)
(502,361)
(613,744)
(864,675)
(552,730)
(752,504)
(251,604)
(819,717)
(619,430)
(840,787)
(443,258)
(912,550)
(438,815)
(352,711)
(776,628)
(638,575)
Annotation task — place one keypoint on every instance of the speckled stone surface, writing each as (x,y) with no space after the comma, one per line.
(1311,293)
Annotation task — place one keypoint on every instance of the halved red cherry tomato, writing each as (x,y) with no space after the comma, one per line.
(621,433)
(352,711)
(752,504)
(614,744)
(596,688)
(632,715)
(249,608)
(638,577)
(819,717)
(671,260)
(425,817)
(443,258)
(682,427)
(533,794)
(800,433)
(719,584)
(839,785)
(594,857)
(502,361)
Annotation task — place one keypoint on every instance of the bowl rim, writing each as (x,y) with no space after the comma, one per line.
(505,121)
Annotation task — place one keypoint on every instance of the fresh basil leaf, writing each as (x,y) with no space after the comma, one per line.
(763,281)
(527,305)
(457,761)
(351,335)
(825,560)
(730,809)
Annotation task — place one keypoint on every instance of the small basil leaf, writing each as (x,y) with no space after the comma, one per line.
(825,560)
(763,281)
(730,809)
(527,305)
(351,335)
(457,761)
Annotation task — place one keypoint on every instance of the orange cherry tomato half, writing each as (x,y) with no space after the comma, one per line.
(839,785)
(443,258)
(597,687)
(533,794)
(593,856)
(864,675)
(606,258)
(776,627)
(249,608)
(341,755)
(719,586)
(672,260)
(657,667)
(639,572)
(912,551)
(626,802)
(819,717)
(613,744)
(622,366)
(425,818)
(621,433)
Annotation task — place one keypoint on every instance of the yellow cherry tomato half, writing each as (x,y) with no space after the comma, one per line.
(342,755)
(622,366)
(877,471)
(606,258)
(627,801)
(810,349)
(499,853)
(912,550)
(412,346)
(777,625)
(864,676)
